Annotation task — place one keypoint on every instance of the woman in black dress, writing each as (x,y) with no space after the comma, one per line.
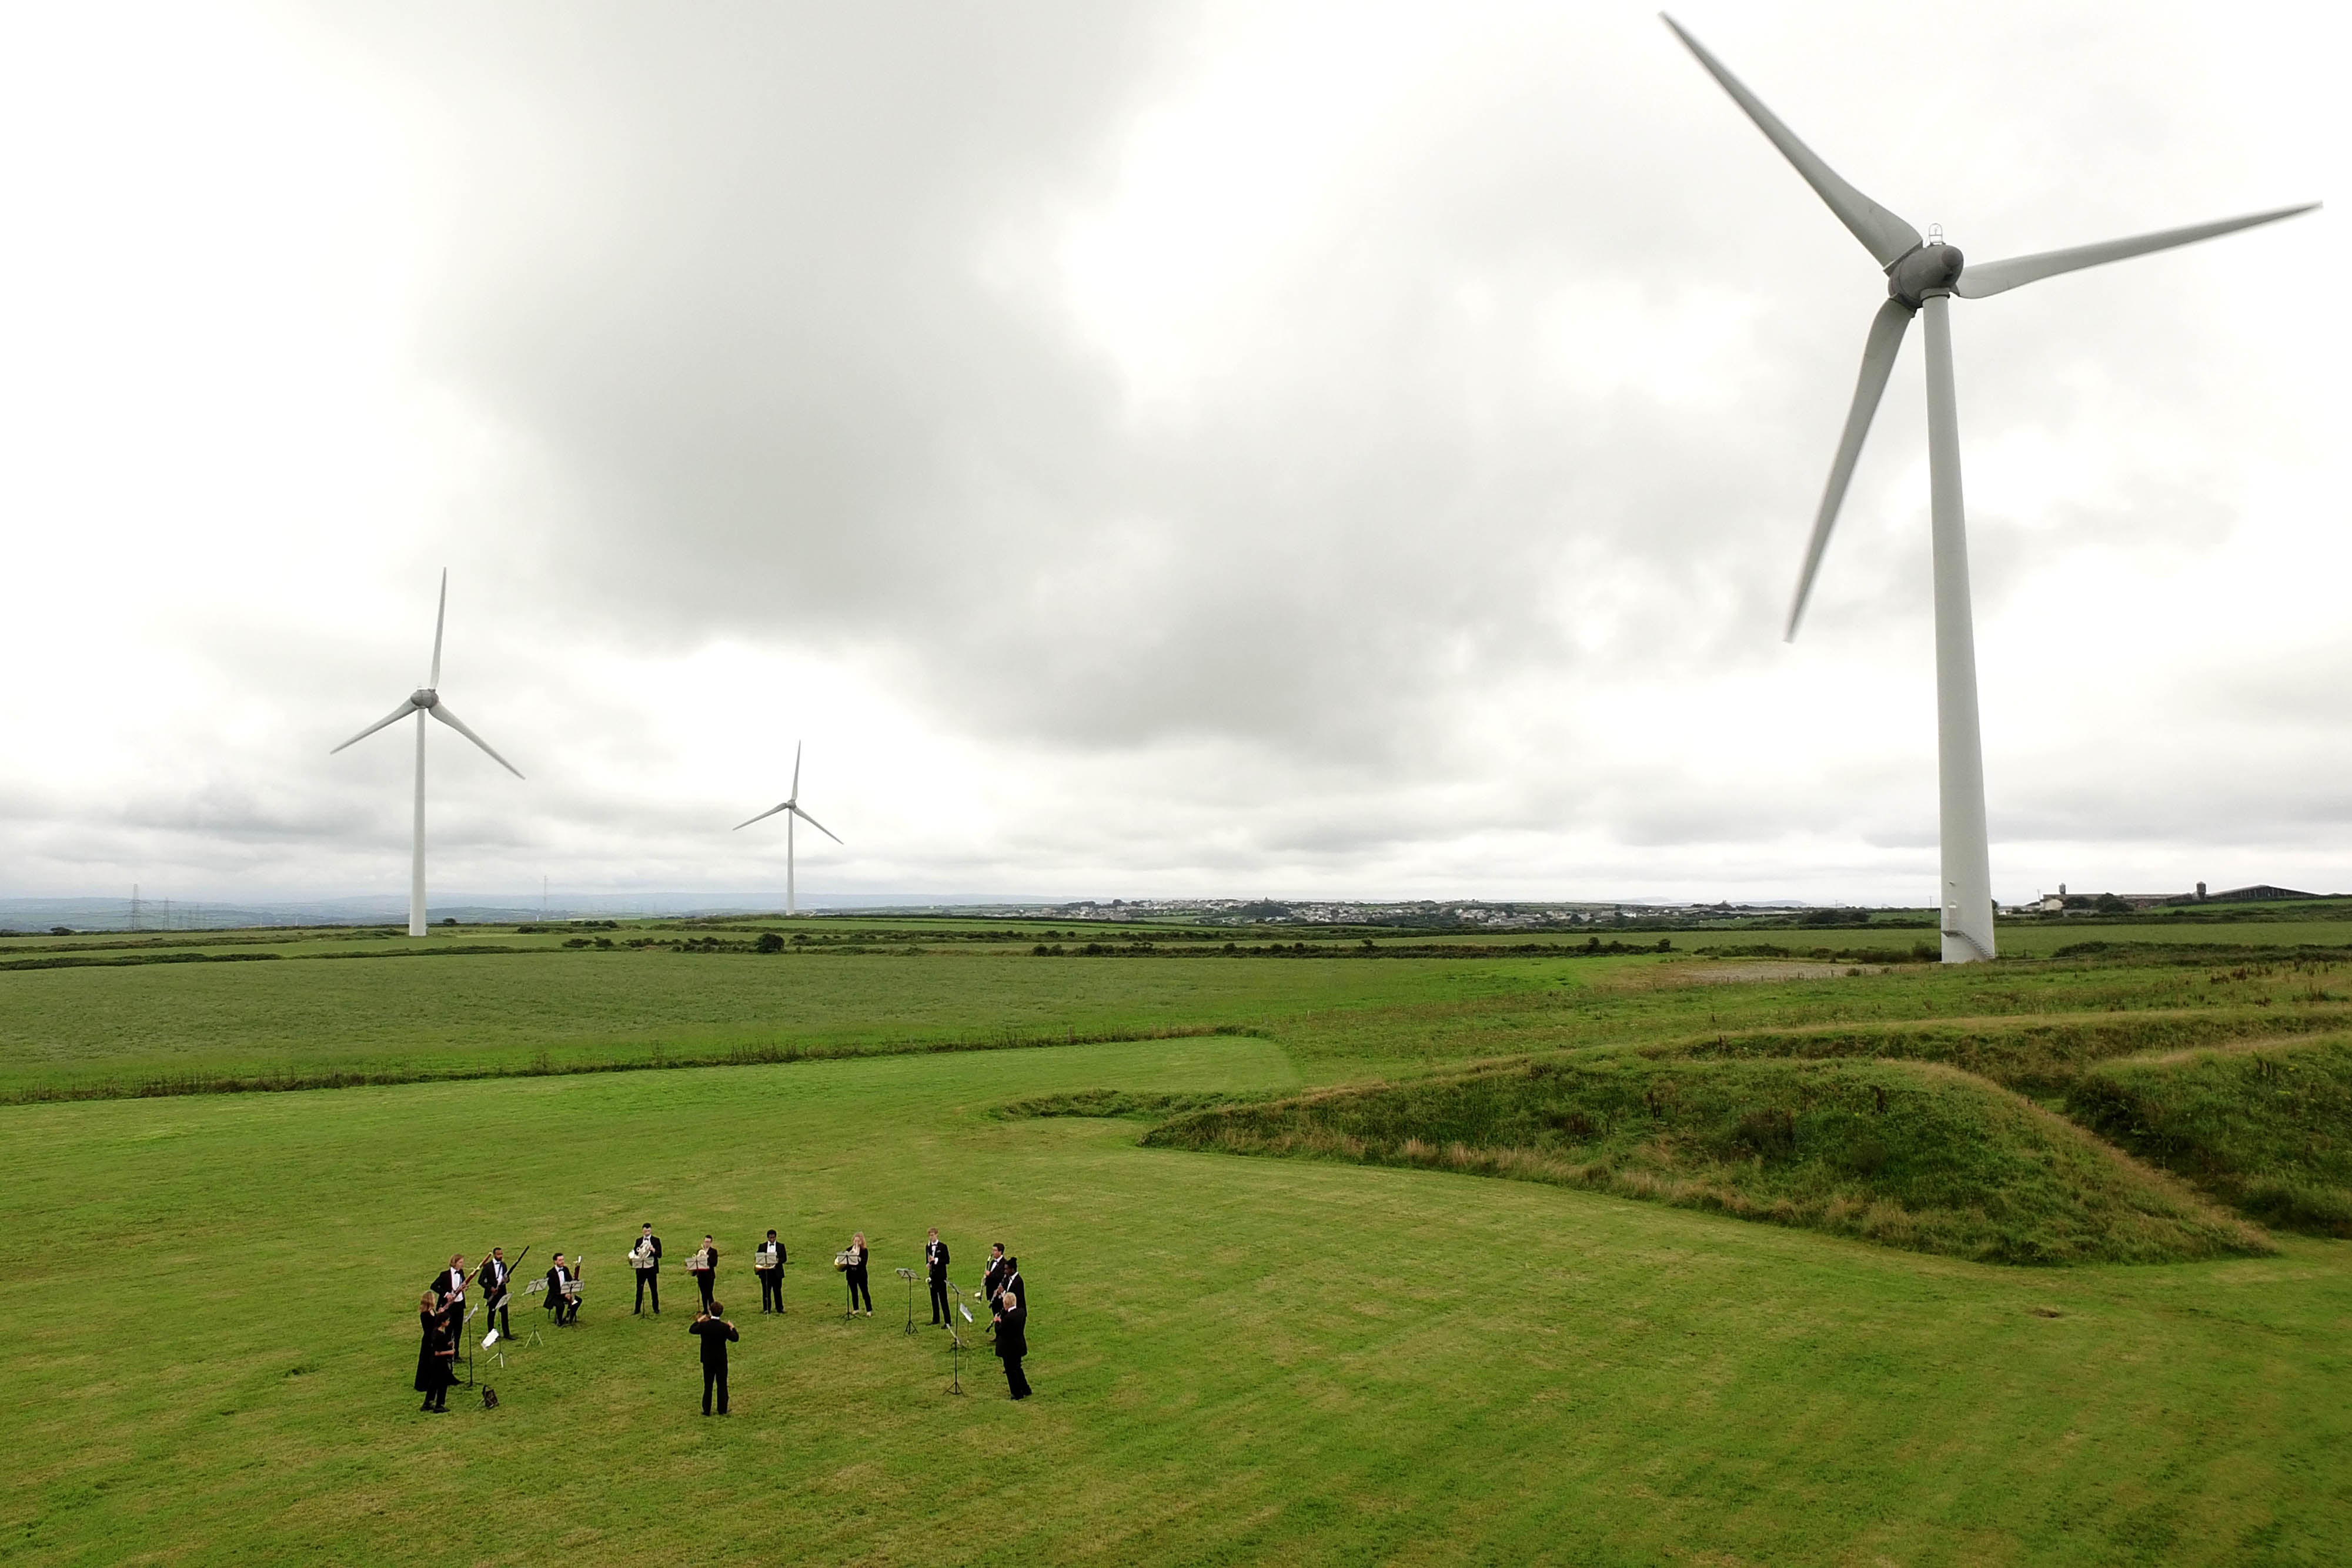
(857,1273)
(436,1356)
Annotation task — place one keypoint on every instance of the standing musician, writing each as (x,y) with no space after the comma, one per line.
(768,1262)
(1013,1283)
(561,1281)
(451,1282)
(993,1280)
(436,1355)
(647,1255)
(714,1330)
(1013,1341)
(855,1274)
(935,1264)
(495,1276)
(704,1267)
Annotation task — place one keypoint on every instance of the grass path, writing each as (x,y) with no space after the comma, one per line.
(1239,1359)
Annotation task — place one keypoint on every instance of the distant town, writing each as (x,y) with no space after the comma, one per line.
(65,916)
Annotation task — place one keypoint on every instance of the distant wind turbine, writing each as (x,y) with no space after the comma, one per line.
(1921,277)
(791,808)
(426,699)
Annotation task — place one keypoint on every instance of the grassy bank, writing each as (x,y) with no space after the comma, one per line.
(2267,1128)
(1896,1152)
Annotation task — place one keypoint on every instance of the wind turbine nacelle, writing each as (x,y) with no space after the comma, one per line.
(1924,271)
(424,697)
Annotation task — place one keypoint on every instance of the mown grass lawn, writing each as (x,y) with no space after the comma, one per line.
(210,1334)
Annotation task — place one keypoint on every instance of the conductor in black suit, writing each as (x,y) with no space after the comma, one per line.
(714,1330)
(1013,1342)
(650,1279)
(935,1264)
(770,1269)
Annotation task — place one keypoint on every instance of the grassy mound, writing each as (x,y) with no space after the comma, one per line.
(1146,1104)
(1904,1153)
(2268,1129)
(2030,1056)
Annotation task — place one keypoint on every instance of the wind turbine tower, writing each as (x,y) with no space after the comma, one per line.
(1922,278)
(791,808)
(423,702)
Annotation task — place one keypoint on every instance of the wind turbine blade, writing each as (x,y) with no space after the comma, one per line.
(440,617)
(394,716)
(441,712)
(1878,351)
(1997,277)
(820,827)
(796,769)
(1882,234)
(784,806)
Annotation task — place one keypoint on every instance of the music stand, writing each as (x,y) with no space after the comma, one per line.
(466,1341)
(955,1351)
(909,1275)
(535,1288)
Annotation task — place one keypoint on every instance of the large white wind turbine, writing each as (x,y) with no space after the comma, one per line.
(426,699)
(1921,277)
(791,808)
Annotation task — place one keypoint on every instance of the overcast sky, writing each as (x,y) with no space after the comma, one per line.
(1252,449)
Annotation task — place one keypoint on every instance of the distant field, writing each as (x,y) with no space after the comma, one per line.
(557,1008)
(1238,1360)
(1342,1014)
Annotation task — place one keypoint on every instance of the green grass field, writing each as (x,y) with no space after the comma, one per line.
(1238,1359)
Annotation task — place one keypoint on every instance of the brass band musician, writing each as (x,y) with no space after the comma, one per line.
(768,1262)
(704,1267)
(935,1266)
(646,1258)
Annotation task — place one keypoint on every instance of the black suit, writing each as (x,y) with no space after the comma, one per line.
(855,1273)
(935,1261)
(991,1282)
(435,1368)
(650,1280)
(495,1277)
(772,1277)
(448,1282)
(565,1311)
(1013,1343)
(707,1279)
(714,1333)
